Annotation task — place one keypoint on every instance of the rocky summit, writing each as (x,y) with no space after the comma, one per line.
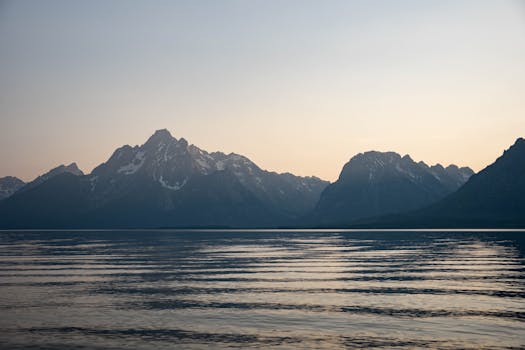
(166,182)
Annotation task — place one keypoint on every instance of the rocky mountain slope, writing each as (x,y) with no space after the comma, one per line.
(494,197)
(378,183)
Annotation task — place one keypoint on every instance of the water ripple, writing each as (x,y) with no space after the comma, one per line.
(271,289)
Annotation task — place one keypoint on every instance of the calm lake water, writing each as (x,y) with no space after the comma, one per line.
(278,289)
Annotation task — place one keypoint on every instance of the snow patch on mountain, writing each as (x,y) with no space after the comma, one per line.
(134,166)
(175,187)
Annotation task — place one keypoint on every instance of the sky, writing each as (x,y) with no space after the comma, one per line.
(296,86)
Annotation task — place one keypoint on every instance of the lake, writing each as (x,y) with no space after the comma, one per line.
(262,289)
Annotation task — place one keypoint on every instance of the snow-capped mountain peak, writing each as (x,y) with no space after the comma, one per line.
(173,164)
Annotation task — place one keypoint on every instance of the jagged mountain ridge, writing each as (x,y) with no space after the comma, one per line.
(172,163)
(165,182)
(61,169)
(377,183)
(10,184)
(494,197)
(168,182)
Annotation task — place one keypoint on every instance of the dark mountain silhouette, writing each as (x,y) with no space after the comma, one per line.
(376,183)
(61,169)
(164,183)
(9,185)
(494,197)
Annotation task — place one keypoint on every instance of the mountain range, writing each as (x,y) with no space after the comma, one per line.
(494,197)
(167,182)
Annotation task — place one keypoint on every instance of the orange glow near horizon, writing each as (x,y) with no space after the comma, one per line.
(297,87)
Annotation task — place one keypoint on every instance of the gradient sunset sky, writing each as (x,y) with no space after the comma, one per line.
(298,86)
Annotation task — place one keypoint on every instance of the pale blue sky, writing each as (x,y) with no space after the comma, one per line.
(297,86)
